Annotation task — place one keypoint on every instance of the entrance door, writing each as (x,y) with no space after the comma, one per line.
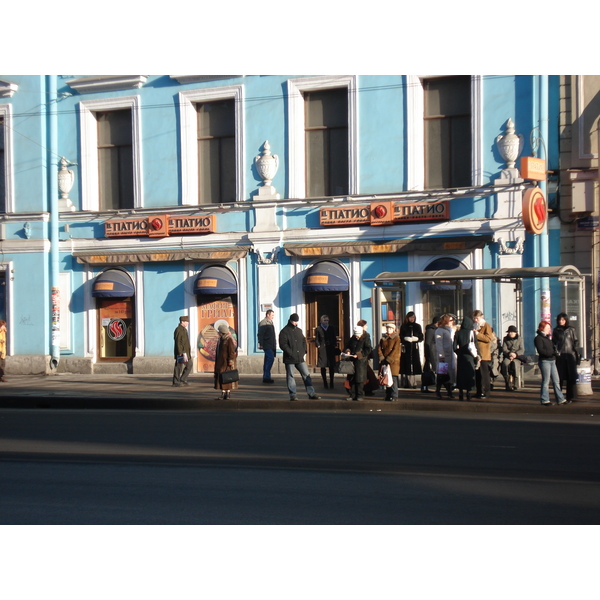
(333,304)
(115,329)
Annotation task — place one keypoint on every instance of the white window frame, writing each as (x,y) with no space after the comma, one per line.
(90,193)
(297,150)
(9,189)
(415,131)
(189,138)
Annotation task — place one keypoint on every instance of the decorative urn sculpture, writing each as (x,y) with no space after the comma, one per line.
(267,164)
(66,178)
(510,145)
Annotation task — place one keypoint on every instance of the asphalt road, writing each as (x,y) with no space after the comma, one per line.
(189,467)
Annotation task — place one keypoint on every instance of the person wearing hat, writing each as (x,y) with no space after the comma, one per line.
(183,352)
(389,354)
(225,360)
(358,349)
(293,345)
(512,349)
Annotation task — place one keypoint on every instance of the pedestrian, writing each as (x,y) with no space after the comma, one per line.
(327,344)
(564,337)
(411,335)
(372,382)
(358,349)
(547,353)
(2,349)
(446,359)
(267,342)
(512,349)
(389,354)
(225,360)
(465,347)
(183,353)
(430,366)
(486,340)
(293,344)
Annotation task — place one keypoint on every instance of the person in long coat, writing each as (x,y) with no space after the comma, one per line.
(465,361)
(444,338)
(372,383)
(359,349)
(512,349)
(389,354)
(411,334)
(225,360)
(326,343)
(430,353)
(565,339)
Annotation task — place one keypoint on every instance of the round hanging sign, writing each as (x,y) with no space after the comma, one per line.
(116,329)
(535,210)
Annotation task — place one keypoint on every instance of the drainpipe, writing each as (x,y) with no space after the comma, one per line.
(52,175)
(544,253)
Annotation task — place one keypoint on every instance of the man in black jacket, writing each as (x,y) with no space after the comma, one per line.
(293,345)
(268,343)
(182,351)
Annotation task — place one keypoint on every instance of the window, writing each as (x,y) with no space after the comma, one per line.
(326,135)
(115,159)
(2,169)
(323,136)
(216,152)
(111,161)
(447,114)
(7,202)
(212,145)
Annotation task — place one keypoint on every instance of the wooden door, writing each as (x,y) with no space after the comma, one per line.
(324,303)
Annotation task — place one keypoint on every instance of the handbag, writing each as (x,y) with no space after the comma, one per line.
(345,367)
(230,376)
(472,347)
(385,376)
(427,378)
(442,368)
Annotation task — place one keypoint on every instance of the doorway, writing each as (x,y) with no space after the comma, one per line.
(333,304)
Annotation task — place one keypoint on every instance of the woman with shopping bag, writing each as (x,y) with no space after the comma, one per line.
(389,356)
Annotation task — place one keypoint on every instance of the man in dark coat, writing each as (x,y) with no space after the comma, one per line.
(293,345)
(182,352)
(268,343)
(564,337)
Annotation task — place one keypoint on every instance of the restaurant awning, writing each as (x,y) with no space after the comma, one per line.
(325,276)
(215,280)
(113,283)
(222,254)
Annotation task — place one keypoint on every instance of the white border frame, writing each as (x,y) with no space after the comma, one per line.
(6,114)
(189,142)
(90,194)
(415,131)
(296,146)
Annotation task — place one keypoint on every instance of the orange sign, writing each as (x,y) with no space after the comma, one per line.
(159,226)
(535,210)
(385,213)
(533,168)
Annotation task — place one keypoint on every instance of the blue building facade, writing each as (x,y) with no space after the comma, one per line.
(129,201)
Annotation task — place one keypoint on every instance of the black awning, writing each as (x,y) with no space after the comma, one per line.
(113,283)
(325,276)
(215,280)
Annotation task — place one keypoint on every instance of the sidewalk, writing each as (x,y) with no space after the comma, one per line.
(155,392)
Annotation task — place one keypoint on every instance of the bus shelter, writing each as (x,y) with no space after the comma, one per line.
(389,293)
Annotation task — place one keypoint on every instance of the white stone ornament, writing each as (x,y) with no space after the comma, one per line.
(267,164)
(510,145)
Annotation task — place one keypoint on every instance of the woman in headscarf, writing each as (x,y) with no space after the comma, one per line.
(225,360)
(326,342)
(465,361)
(444,337)
(411,334)
(359,349)
(389,354)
